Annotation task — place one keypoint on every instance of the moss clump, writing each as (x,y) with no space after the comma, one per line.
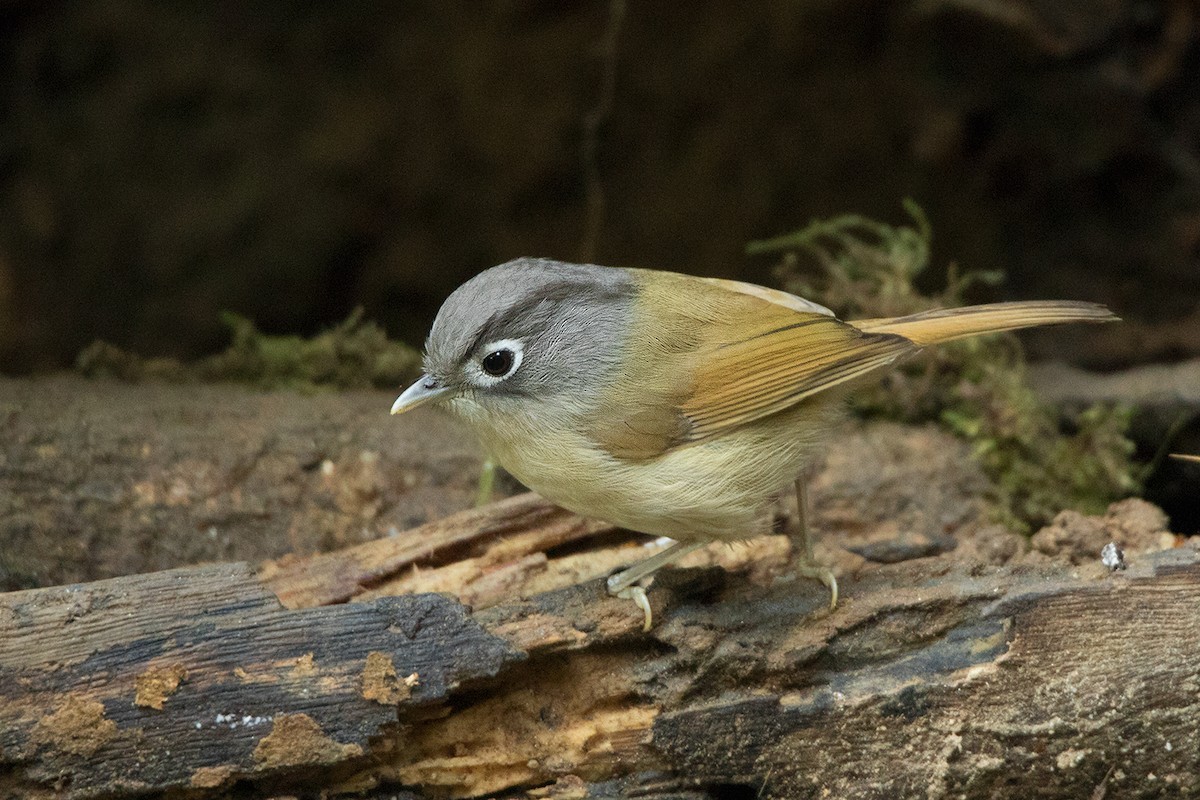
(353,354)
(977,386)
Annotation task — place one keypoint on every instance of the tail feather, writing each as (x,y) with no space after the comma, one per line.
(946,325)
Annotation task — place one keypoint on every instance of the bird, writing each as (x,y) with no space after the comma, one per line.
(668,404)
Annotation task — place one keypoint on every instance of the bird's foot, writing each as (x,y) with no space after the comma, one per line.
(637,594)
(807,569)
(626,584)
(802,551)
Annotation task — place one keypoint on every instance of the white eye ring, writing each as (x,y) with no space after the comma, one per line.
(513,347)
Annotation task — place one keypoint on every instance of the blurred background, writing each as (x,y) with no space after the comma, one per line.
(162,162)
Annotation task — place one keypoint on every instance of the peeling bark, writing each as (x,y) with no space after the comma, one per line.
(931,678)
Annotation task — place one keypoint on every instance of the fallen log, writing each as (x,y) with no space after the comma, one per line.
(934,677)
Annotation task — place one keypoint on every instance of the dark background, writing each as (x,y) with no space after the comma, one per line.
(162,161)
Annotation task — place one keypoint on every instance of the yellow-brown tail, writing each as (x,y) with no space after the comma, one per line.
(945,325)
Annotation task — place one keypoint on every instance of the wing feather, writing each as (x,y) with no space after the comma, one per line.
(731,391)
(716,357)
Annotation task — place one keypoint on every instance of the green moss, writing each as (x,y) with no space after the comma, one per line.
(353,354)
(866,268)
(1038,467)
(977,387)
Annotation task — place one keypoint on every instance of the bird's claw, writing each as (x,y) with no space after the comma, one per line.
(638,595)
(824,575)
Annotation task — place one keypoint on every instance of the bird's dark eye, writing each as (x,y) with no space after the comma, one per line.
(498,363)
(503,359)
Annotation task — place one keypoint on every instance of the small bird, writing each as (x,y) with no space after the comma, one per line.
(668,404)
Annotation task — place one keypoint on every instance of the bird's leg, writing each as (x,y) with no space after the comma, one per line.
(625,583)
(627,577)
(803,562)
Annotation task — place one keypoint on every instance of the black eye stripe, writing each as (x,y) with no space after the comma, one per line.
(498,363)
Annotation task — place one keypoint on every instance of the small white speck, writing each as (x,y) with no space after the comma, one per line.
(1113,557)
(246,721)
(212,533)
(198,725)
(327,467)
(661,541)
(1168,747)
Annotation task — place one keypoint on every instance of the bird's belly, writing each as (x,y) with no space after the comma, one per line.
(718,489)
(656,499)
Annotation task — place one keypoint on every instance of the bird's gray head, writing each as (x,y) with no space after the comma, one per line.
(530,328)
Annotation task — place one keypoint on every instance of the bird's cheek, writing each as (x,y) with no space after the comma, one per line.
(467,407)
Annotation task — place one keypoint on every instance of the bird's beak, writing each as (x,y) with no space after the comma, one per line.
(425,390)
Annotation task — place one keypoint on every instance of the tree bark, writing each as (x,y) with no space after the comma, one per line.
(934,677)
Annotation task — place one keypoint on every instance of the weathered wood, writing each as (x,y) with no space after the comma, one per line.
(196,677)
(932,678)
(488,555)
(1059,687)
(473,541)
(1019,682)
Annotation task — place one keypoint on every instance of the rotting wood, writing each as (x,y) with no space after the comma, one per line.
(259,688)
(476,538)
(485,556)
(932,678)
(1054,688)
